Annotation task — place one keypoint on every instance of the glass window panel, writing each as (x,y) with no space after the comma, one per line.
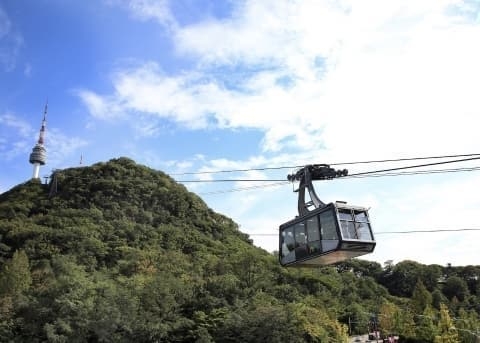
(345,214)
(313,233)
(348,230)
(288,246)
(328,245)
(300,241)
(344,229)
(314,248)
(361,216)
(363,230)
(328,226)
(300,236)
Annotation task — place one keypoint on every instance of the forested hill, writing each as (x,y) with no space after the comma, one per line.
(118,252)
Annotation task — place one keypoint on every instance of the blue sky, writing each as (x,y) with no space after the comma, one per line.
(194,86)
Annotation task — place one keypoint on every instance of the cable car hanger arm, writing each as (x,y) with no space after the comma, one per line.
(306,175)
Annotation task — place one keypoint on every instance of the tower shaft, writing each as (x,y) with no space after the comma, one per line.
(38,156)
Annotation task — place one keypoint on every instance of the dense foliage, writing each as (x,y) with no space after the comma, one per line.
(117,252)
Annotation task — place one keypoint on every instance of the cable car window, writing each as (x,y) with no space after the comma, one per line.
(361,216)
(328,229)
(300,240)
(345,214)
(327,225)
(314,247)
(363,231)
(313,234)
(348,230)
(300,235)
(288,246)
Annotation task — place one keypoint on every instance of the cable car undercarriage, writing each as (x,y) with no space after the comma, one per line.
(322,233)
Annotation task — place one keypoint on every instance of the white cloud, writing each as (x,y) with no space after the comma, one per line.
(349,70)
(327,82)
(157,10)
(100,107)
(61,147)
(11,42)
(19,137)
(13,122)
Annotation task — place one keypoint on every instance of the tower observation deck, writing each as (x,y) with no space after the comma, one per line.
(38,156)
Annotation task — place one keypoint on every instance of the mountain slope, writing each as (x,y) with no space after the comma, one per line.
(120,252)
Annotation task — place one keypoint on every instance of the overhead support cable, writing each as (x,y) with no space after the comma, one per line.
(418,172)
(245,188)
(415,166)
(358,175)
(231,180)
(425,231)
(407,173)
(332,164)
(389,232)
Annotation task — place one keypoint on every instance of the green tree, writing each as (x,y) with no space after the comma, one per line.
(430,276)
(317,326)
(15,277)
(467,325)
(402,278)
(425,329)
(404,323)
(262,324)
(447,333)
(15,280)
(421,298)
(386,318)
(455,287)
(438,298)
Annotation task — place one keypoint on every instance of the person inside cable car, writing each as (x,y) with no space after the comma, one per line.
(288,246)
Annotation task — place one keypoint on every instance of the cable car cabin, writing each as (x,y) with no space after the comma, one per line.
(326,235)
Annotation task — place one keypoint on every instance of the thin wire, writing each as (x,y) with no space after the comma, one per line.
(424,231)
(405,159)
(386,232)
(378,173)
(408,173)
(415,166)
(332,164)
(232,180)
(418,172)
(234,170)
(245,188)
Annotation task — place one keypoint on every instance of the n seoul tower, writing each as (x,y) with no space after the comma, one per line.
(38,156)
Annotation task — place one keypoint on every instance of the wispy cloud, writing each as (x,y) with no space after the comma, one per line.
(101,107)
(317,65)
(157,10)
(62,147)
(13,122)
(16,134)
(19,137)
(323,82)
(11,42)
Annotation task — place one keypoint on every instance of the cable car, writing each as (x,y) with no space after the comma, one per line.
(327,234)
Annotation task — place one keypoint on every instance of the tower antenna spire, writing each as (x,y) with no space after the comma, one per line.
(38,156)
